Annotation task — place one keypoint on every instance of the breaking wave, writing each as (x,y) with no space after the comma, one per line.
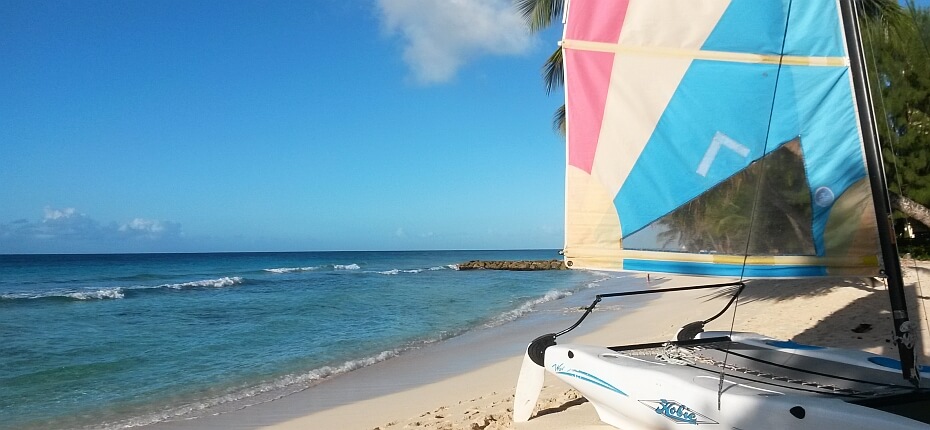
(225,281)
(399,271)
(430,269)
(527,307)
(110,293)
(352,266)
(251,396)
(104,293)
(355,266)
(293,269)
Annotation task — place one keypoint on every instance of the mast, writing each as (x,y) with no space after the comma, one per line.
(889,247)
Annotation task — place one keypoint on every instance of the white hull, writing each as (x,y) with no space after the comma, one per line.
(634,390)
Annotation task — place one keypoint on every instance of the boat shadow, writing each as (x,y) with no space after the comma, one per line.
(562,407)
(864,323)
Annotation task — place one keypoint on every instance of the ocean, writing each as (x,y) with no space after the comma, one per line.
(123,340)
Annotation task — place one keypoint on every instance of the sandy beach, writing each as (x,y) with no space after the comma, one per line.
(469,383)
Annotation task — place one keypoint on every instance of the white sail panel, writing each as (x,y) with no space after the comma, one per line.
(671,23)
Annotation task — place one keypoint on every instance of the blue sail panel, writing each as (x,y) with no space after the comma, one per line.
(708,133)
(814,30)
(817,100)
(750,26)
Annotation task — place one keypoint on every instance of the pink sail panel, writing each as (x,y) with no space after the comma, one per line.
(588,74)
(596,20)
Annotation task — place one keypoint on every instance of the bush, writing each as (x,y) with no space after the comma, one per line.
(918,247)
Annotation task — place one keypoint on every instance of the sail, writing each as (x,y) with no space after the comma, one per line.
(714,137)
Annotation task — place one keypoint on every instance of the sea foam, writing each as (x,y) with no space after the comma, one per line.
(119,292)
(254,395)
(225,281)
(293,269)
(105,293)
(429,269)
(399,271)
(527,307)
(87,294)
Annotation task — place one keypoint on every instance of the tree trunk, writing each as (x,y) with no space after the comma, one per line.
(912,209)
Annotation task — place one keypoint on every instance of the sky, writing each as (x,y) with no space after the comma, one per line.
(215,126)
(206,126)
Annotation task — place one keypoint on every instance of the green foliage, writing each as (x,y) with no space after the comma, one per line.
(885,13)
(763,210)
(552,72)
(539,14)
(918,247)
(900,71)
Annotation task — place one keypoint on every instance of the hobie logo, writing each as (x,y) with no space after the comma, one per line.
(677,412)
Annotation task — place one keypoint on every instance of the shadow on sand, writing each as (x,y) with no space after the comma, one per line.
(865,323)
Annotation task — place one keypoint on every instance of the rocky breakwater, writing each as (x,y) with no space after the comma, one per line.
(513,265)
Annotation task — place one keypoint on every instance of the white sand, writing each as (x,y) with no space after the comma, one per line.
(481,398)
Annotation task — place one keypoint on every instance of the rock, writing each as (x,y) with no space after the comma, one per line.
(519,265)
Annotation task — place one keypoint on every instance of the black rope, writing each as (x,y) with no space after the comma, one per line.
(599,297)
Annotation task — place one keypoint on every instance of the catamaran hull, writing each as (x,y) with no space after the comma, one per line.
(635,393)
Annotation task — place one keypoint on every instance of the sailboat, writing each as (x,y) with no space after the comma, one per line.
(732,140)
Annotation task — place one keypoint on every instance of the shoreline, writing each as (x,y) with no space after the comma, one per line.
(467,382)
(468,358)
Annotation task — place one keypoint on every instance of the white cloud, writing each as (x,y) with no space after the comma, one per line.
(143,225)
(67,230)
(440,36)
(52,214)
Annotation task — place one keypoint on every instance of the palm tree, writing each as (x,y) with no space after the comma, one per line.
(539,15)
(899,78)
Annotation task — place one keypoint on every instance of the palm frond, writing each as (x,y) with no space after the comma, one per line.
(539,14)
(552,71)
(889,16)
(558,120)
(888,11)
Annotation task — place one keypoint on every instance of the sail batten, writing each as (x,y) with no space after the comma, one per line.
(714,137)
(733,57)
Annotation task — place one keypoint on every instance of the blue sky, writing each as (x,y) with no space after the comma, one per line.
(177,126)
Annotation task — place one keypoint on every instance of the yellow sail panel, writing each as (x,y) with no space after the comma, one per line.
(592,237)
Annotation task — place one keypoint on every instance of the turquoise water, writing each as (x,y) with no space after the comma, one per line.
(114,341)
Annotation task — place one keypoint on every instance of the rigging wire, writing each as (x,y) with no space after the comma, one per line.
(762,160)
(758,195)
(892,134)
